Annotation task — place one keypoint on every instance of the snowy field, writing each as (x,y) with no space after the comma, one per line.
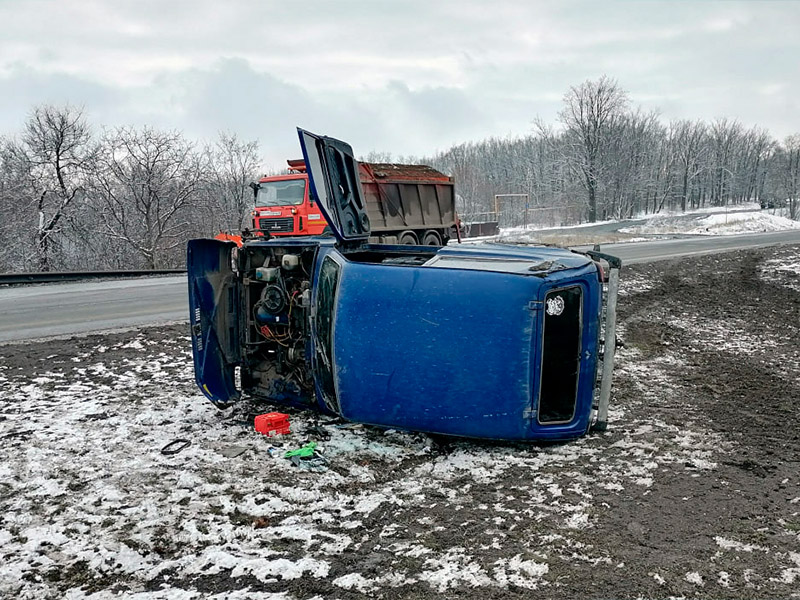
(719,223)
(682,496)
(732,220)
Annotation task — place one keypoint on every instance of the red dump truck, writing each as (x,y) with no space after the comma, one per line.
(406,204)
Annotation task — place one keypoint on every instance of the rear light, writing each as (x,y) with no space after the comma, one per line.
(601,273)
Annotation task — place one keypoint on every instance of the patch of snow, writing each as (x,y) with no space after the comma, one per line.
(263,569)
(697,462)
(95,486)
(695,578)
(784,270)
(578,521)
(737,546)
(715,224)
(134,344)
(453,569)
(791,574)
(526,574)
(355,581)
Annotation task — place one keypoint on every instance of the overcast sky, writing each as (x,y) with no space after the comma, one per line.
(403,77)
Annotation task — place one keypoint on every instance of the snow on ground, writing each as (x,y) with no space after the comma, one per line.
(518,230)
(92,509)
(784,270)
(715,224)
(718,220)
(752,206)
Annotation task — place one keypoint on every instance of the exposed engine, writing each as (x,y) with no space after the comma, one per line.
(277,295)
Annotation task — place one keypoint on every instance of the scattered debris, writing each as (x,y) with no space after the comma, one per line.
(308,457)
(306,451)
(273,423)
(175,446)
(233,451)
(318,431)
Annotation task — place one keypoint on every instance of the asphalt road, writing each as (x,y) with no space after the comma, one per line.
(40,311)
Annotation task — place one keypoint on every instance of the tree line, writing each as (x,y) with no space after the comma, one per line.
(606,159)
(125,198)
(75,198)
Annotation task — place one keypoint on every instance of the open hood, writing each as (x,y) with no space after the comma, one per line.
(214,293)
(335,184)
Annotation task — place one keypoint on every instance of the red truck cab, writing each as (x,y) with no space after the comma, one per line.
(283,206)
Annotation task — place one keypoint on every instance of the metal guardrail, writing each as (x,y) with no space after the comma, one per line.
(50,277)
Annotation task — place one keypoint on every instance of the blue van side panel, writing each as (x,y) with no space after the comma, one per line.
(438,350)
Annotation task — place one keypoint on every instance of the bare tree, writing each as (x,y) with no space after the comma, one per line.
(56,153)
(688,139)
(377,156)
(231,164)
(635,163)
(460,163)
(144,187)
(16,218)
(788,173)
(757,147)
(724,139)
(589,113)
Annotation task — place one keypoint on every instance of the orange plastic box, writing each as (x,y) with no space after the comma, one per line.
(273,423)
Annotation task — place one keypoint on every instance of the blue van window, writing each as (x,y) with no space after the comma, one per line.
(326,301)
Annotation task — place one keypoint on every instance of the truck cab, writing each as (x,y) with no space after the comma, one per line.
(486,341)
(284,207)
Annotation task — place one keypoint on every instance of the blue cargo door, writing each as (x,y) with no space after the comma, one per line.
(214,298)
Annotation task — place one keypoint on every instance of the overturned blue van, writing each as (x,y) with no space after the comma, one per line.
(487,341)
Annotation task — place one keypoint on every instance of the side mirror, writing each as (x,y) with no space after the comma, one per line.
(254,186)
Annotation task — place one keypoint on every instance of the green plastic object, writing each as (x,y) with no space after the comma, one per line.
(306,451)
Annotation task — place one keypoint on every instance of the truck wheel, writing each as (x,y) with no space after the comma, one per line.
(431,239)
(408,238)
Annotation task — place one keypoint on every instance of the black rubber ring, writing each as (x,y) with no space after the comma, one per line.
(175,446)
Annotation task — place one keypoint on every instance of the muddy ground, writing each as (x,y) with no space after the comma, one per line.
(693,491)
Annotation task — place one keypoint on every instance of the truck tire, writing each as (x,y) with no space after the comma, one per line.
(408,238)
(431,238)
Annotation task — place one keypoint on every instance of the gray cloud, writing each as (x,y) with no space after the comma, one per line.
(406,77)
